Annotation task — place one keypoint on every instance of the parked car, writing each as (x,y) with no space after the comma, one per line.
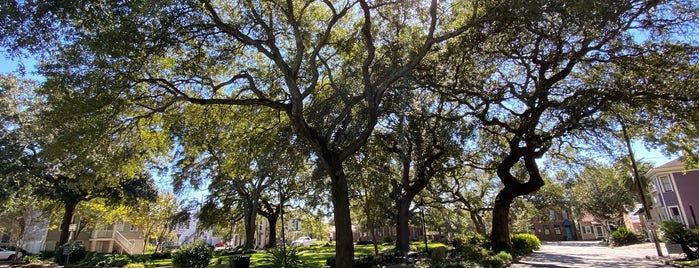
(303,241)
(6,254)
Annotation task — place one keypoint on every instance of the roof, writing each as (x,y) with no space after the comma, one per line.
(675,163)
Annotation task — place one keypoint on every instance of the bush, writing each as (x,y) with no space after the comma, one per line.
(330,261)
(471,246)
(30,259)
(94,259)
(135,265)
(77,254)
(622,237)
(120,260)
(194,255)
(161,255)
(140,258)
(688,238)
(524,243)
(388,240)
(276,257)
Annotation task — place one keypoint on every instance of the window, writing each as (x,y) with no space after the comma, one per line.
(675,214)
(564,214)
(557,229)
(588,229)
(133,228)
(666,183)
(600,232)
(552,213)
(546,230)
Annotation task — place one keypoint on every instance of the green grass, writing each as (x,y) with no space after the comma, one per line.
(160,263)
(687,263)
(316,256)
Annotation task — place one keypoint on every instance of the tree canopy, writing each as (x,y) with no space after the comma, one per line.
(439,83)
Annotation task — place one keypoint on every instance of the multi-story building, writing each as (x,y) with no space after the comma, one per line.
(554,225)
(120,237)
(673,190)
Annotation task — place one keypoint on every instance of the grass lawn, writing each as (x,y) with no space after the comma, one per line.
(316,256)
(693,263)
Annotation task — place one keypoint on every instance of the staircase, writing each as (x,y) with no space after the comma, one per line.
(124,243)
(127,246)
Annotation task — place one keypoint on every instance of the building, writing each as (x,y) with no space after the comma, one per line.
(554,225)
(120,237)
(591,229)
(673,192)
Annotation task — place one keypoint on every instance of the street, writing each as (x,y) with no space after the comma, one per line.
(592,254)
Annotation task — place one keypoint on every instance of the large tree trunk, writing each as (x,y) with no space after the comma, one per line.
(344,249)
(500,236)
(68,211)
(272,219)
(249,219)
(403,228)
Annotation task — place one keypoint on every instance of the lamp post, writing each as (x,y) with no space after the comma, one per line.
(421,205)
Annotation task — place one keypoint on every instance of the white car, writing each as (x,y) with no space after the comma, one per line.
(303,241)
(9,254)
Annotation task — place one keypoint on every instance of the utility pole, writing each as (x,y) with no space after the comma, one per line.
(641,189)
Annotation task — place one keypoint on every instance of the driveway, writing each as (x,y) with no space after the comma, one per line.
(592,254)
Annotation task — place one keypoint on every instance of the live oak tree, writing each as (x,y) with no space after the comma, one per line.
(469,189)
(239,162)
(325,65)
(529,86)
(601,191)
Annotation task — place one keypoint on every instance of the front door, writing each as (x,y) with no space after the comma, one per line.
(569,233)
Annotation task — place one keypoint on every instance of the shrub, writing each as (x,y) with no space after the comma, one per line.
(94,259)
(116,261)
(161,255)
(676,233)
(622,237)
(140,258)
(471,246)
(503,256)
(330,261)
(524,243)
(194,255)
(135,265)
(388,240)
(30,259)
(276,257)
(77,253)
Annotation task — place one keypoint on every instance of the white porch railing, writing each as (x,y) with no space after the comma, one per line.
(103,234)
(115,235)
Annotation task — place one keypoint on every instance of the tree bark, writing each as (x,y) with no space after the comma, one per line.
(271,213)
(250,228)
(477,222)
(344,247)
(68,211)
(500,235)
(403,227)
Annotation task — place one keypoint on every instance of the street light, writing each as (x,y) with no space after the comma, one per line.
(421,205)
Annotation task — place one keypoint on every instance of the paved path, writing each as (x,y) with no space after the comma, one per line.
(592,254)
